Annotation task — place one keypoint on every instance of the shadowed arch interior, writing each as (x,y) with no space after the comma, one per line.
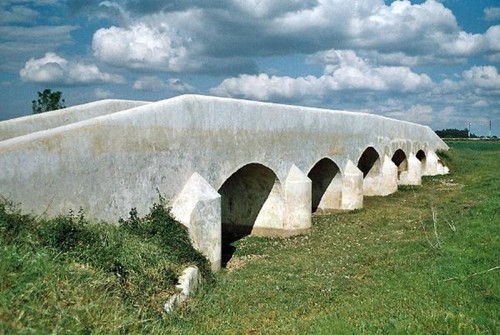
(399,158)
(368,161)
(243,196)
(422,158)
(421,155)
(322,175)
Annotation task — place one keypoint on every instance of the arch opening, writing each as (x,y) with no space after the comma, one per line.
(252,197)
(369,162)
(326,185)
(423,159)
(401,161)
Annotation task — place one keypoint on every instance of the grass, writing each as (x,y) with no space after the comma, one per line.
(423,260)
(69,275)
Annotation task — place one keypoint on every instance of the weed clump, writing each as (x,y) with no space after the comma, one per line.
(142,256)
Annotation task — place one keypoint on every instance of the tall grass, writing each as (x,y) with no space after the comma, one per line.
(67,274)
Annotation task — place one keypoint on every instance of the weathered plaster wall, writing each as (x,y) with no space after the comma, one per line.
(124,156)
(111,163)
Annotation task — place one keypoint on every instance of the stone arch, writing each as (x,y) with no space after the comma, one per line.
(422,157)
(369,163)
(400,159)
(326,181)
(251,199)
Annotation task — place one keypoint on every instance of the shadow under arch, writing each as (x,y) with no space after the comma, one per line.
(322,174)
(369,162)
(252,193)
(422,158)
(400,160)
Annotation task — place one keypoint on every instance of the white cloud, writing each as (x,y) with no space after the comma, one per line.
(198,37)
(485,77)
(464,44)
(344,71)
(142,47)
(263,87)
(492,13)
(55,69)
(492,38)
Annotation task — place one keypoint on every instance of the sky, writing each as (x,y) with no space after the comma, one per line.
(431,62)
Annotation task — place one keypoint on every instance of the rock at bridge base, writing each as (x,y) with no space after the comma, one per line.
(352,187)
(298,200)
(198,207)
(413,176)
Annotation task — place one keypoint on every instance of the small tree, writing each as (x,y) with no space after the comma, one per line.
(47,101)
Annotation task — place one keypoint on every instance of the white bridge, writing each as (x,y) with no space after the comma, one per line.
(226,165)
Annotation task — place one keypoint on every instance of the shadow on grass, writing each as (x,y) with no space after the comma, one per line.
(228,240)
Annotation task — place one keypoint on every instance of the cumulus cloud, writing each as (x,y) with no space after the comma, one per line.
(55,69)
(343,71)
(142,47)
(196,36)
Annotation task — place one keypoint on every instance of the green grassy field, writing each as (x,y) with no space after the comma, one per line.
(423,260)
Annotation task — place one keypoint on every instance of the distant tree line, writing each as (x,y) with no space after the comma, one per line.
(455,133)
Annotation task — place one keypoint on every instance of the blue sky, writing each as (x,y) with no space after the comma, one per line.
(431,62)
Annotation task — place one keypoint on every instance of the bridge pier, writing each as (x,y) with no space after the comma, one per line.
(412,176)
(198,207)
(388,178)
(352,187)
(298,200)
(382,179)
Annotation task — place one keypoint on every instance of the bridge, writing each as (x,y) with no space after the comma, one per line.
(227,166)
